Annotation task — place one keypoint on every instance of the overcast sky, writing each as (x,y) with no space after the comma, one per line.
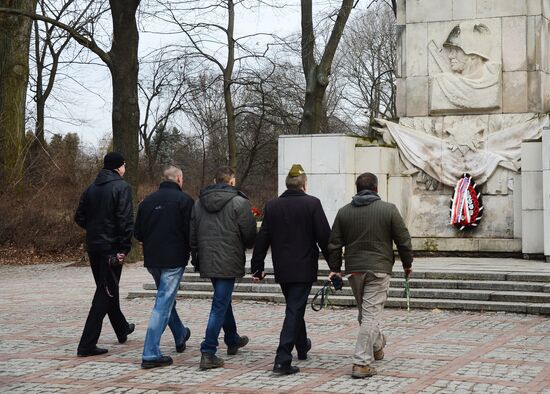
(90,104)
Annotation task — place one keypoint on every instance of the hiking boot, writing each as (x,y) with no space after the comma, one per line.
(210,361)
(181,348)
(362,371)
(232,350)
(303,355)
(163,361)
(379,354)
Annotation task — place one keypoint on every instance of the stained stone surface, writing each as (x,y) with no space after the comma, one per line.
(427,351)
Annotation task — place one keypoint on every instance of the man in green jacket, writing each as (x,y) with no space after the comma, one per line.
(367,228)
(222,228)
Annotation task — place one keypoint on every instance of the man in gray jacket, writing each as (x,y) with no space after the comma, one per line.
(222,228)
(367,228)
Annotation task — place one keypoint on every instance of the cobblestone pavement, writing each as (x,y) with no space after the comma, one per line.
(43,310)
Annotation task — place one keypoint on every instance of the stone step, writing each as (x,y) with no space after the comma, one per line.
(396,302)
(417,293)
(543,278)
(421,283)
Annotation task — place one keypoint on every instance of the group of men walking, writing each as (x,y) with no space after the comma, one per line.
(215,232)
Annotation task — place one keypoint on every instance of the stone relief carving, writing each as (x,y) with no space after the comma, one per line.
(469,80)
(465,148)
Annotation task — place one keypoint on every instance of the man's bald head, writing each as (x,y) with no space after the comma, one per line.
(173,174)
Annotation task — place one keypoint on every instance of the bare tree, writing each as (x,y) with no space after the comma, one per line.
(317,72)
(163,90)
(217,44)
(15,34)
(49,44)
(122,61)
(369,56)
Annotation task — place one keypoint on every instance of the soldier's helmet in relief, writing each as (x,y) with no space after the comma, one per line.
(473,38)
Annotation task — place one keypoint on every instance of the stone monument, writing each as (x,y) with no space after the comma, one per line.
(473,83)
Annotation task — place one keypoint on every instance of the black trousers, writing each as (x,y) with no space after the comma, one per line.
(293,333)
(106,302)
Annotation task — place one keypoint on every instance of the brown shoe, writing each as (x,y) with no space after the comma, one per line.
(379,354)
(362,371)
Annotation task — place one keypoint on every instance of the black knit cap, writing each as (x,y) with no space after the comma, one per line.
(113,160)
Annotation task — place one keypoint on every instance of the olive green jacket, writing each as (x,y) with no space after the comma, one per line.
(366,229)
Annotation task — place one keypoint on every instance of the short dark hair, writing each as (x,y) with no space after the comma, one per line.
(295,182)
(366,181)
(224,174)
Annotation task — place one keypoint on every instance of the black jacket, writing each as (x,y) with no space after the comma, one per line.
(162,225)
(222,227)
(106,212)
(295,226)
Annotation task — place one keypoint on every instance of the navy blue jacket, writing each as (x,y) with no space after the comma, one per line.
(295,226)
(162,225)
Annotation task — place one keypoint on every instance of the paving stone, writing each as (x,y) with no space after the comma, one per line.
(457,386)
(437,349)
(463,336)
(26,366)
(531,341)
(179,375)
(408,365)
(265,380)
(518,354)
(129,390)
(424,346)
(94,370)
(516,373)
(375,384)
(42,388)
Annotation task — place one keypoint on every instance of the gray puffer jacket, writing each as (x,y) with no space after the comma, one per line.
(222,227)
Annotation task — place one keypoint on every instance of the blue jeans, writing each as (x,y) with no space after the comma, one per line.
(164,312)
(221,315)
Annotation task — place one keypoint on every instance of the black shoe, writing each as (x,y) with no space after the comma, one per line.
(130,329)
(210,361)
(96,351)
(232,350)
(181,348)
(303,355)
(281,369)
(163,361)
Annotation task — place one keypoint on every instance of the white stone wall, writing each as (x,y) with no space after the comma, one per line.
(546,189)
(532,198)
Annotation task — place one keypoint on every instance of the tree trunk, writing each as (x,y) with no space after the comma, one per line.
(317,75)
(227,80)
(15,34)
(124,71)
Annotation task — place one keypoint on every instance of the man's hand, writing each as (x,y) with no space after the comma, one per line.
(334,274)
(408,272)
(257,278)
(121,257)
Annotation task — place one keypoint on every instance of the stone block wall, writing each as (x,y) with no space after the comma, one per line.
(520,43)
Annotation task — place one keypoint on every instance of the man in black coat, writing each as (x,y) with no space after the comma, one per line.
(106,212)
(162,226)
(295,226)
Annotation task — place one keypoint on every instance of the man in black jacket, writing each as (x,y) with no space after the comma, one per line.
(106,212)
(222,227)
(295,226)
(162,226)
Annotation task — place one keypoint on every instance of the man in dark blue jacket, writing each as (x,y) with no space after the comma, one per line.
(162,226)
(295,226)
(106,212)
